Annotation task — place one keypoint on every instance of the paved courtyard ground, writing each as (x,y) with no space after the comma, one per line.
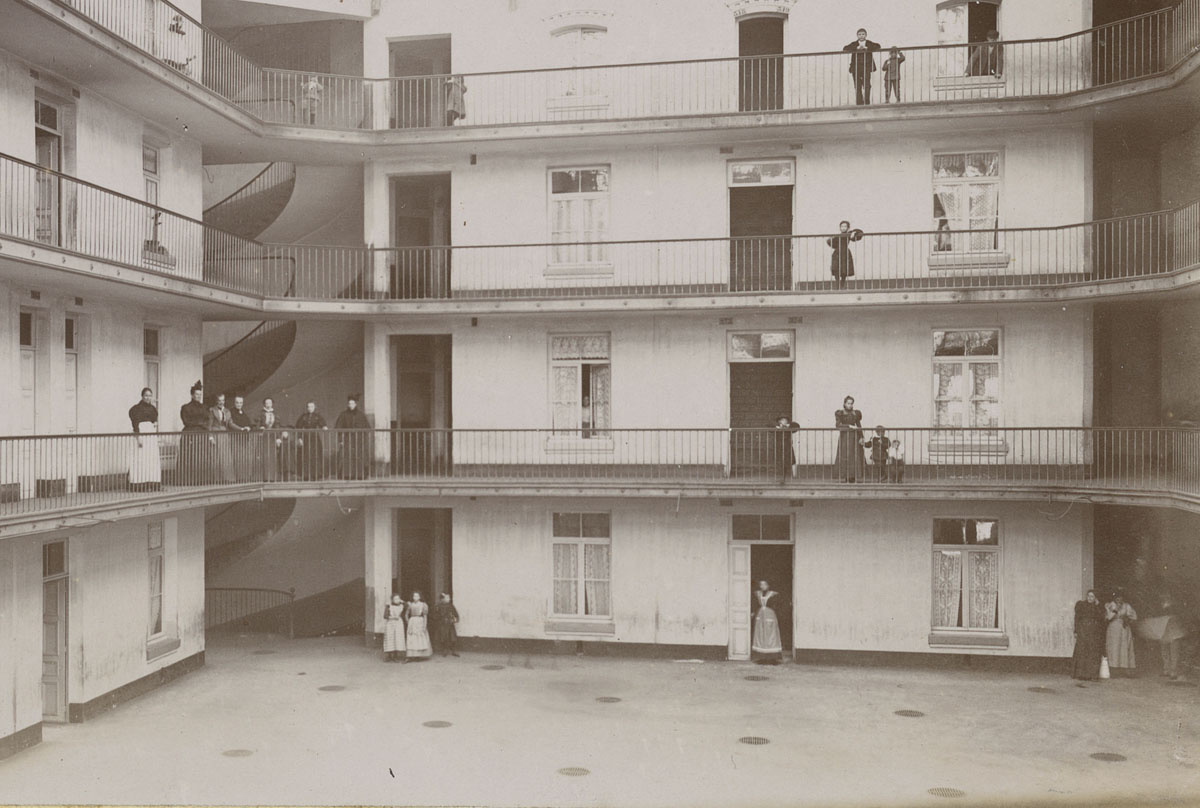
(324,721)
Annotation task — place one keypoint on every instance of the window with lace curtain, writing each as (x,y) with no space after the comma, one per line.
(966,379)
(581,384)
(966,201)
(966,575)
(582,565)
(579,216)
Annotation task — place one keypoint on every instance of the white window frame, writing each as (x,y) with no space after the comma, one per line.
(575,437)
(760,540)
(775,171)
(593,260)
(156,559)
(985,246)
(579,580)
(970,433)
(995,633)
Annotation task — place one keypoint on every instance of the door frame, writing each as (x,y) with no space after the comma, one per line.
(62,580)
(732,577)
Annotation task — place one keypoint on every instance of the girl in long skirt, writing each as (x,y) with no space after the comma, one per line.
(393,630)
(850,464)
(419,646)
(766,645)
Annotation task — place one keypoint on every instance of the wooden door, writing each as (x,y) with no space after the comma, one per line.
(760,69)
(760,224)
(739,601)
(54,650)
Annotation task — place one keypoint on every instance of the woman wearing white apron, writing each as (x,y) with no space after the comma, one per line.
(145,469)
(393,630)
(766,645)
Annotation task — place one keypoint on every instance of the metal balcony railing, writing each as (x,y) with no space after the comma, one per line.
(1135,48)
(50,473)
(249,610)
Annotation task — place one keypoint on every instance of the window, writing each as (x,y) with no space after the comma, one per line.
(761,346)
(54,559)
(579,46)
(960,22)
(966,197)
(26,329)
(48,144)
(966,379)
(155,554)
(150,172)
(966,574)
(582,565)
(150,338)
(581,380)
(762,527)
(579,215)
(71,373)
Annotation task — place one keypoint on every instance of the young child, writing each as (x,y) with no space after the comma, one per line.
(896,462)
(880,444)
(445,616)
(891,74)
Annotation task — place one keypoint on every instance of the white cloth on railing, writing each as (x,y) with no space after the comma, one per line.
(146,465)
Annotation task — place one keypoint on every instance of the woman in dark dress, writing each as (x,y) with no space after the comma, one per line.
(194,465)
(1089,637)
(841,263)
(784,452)
(354,447)
(850,464)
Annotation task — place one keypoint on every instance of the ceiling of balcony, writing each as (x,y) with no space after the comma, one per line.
(240,13)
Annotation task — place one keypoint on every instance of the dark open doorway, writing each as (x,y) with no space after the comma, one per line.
(759,392)
(760,247)
(773,563)
(422,404)
(760,69)
(420,265)
(422,554)
(419,67)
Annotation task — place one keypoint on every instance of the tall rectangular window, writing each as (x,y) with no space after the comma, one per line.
(579,215)
(581,385)
(155,557)
(70,406)
(150,351)
(28,373)
(966,574)
(966,378)
(582,565)
(48,144)
(966,197)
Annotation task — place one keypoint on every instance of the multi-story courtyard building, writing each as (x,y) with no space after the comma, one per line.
(574,261)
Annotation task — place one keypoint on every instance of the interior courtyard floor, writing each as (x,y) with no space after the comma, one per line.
(325,721)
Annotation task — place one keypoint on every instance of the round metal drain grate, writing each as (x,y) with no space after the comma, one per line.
(910,713)
(237,753)
(437,724)
(1040,689)
(754,677)
(943,791)
(754,740)
(1107,757)
(332,688)
(264,651)
(1181,683)
(492,667)
(574,771)
(302,673)
(607,699)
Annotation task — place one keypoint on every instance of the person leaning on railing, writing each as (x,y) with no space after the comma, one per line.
(272,448)
(354,449)
(987,58)
(194,450)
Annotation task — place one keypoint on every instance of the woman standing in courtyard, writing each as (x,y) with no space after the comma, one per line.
(418,629)
(1119,638)
(393,630)
(1089,638)
(766,645)
(850,463)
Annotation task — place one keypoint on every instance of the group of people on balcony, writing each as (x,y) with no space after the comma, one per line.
(984,59)
(850,462)
(226,445)
(1106,635)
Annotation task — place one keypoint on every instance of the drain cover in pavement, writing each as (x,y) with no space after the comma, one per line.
(1040,689)
(942,791)
(1107,757)
(331,688)
(754,677)
(754,740)
(910,713)
(1181,683)
(574,771)
(437,724)
(607,699)
(237,753)
(492,667)
(264,651)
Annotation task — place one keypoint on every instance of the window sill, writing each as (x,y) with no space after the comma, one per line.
(580,445)
(567,625)
(161,646)
(963,449)
(599,270)
(992,85)
(983,259)
(967,639)
(577,103)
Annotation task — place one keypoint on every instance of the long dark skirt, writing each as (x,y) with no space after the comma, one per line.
(850,464)
(1089,647)
(195,457)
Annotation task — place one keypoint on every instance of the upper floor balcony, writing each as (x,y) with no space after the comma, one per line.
(51,220)
(1145,53)
(46,479)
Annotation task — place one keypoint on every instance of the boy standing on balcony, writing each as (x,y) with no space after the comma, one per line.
(896,462)
(880,445)
(891,74)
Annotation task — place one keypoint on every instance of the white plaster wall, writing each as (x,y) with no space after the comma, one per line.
(16,97)
(20,634)
(864,576)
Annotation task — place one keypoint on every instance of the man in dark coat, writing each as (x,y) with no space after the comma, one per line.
(354,447)
(310,453)
(862,65)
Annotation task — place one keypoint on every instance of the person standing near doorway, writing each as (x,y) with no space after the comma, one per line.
(419,646)
(862,65)
(218,426)
(445,625)
(766,644)
(841,262)
(1089,638)
(1119,636)
(354,437)
(240,425)
(310,452)
(393,630)
(312,92)
(145,472)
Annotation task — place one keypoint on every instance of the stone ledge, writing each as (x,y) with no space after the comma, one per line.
(19,740)
(78,712)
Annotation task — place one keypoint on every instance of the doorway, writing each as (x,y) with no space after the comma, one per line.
(760,244)
(760,390)
(54,631)
(760,549)
(760,66)
(421,555)
(419,68)
(420,266)
(48,151)
(422,404)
